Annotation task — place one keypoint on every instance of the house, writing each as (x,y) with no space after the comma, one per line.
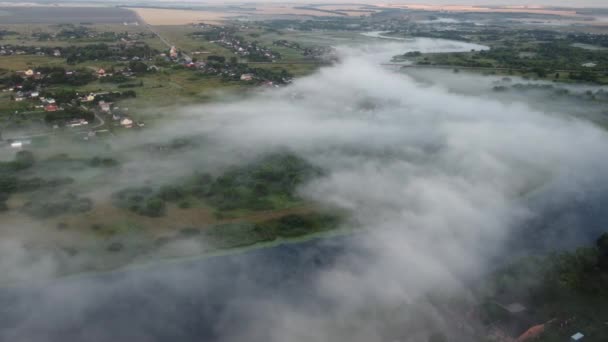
(577,337)
(57,53)
(153,68)
(51,108)
(34,94)
(29,73)
(589,65)
(532,333)
(101,73)
(89,98)
(517,322)
(173,52)
(126,122)
(246,77)
(77,123)
(514,308)
(105,106)
(20,143)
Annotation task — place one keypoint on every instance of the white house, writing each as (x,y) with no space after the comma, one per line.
(126,122)
(577,337)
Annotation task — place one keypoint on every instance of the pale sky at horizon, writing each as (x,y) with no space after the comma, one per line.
(557,3)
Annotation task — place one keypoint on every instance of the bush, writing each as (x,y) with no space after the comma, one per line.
(50,207)
(153,207)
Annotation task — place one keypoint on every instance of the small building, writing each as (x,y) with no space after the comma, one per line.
(105,106)
(57,53)
(515,308)
(173,52)
(29,73)
(77,123)
(589,65)
(126,123)
(577,337)
(101,72)
(34,94)
(20,143)
(51,108)
(246,77)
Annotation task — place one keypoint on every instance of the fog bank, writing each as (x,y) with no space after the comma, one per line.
(436,181)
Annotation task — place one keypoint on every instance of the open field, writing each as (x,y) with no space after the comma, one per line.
(484,9)
(169,16)
(17,62)
(158,16)
(179,35)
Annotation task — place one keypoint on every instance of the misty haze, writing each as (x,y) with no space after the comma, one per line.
(304,172)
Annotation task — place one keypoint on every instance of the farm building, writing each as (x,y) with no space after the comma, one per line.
(577,337)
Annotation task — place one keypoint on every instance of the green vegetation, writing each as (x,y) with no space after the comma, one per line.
(142,201)
(241,234)
(569,290)
(106,52)
(21,176)
(539,53)
(267,184)
(46,205)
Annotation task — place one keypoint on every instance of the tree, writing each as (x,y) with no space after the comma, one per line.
(8,184)
(138,67)
(602,246)
(153,207)
(24,160)
(214,58)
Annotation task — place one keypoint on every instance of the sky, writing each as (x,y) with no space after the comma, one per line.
(574,3)
(571,3)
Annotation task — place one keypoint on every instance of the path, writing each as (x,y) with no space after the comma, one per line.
(155,32)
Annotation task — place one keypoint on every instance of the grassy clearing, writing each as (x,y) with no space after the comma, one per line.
(22,62)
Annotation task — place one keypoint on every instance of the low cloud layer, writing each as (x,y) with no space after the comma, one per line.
(436,181)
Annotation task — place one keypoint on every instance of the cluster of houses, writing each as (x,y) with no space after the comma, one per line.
(119,116)
(83,33)
(519,325)
(316,52)
(12,50)
(21,95)
(242,48)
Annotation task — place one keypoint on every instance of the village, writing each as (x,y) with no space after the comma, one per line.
(51,99)
(83,114)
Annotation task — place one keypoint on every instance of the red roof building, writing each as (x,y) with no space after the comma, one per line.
(51,108)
